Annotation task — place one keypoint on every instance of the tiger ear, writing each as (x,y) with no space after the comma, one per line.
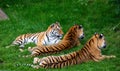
(101,35)
(57,23)
(75,24)
(52,25)
(95,33)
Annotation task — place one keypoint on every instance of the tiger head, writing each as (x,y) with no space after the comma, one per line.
(79,31)
(100,41)
(55,30)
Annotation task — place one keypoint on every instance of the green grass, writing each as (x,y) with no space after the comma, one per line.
(30,16)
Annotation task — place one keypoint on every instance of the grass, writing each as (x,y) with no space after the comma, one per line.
(30,16)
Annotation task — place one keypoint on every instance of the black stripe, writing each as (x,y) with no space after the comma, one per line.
(93,56)
(47,37)
(52,31)
(85,51)
(63,46)
(54,47)
(39,50)
(19,42)
(56,59)
(43,50)
(68,62)
(37,38)
(60,65)
(66,57)
(87,46)
(33,37)
(61,58)
(47,49)
(37,53)
(55,41)
(71,56)
(50,59)
(83,54)
(63,64)
(92,40)
(77,57)
(44,65)
(45,42)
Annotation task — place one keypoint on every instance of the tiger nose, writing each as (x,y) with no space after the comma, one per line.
(82,36)
(105,45)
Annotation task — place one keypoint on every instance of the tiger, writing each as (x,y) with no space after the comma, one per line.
(72,38)
(90,52)
(51,36)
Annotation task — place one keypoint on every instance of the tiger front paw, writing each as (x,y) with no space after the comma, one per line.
(29,48)
(112,56)
(21,50)
(35,66)
(35,61)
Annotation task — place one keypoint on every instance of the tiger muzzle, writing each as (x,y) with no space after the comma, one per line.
(59,36)
(104,46)
(82,36)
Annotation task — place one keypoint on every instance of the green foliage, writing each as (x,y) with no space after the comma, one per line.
(31,16)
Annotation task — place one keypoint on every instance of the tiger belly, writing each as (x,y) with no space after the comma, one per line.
(53,42)
(50,41)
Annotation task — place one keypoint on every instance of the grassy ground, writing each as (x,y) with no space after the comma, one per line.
(30,16)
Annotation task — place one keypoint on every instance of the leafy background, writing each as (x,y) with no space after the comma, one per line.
(31,16)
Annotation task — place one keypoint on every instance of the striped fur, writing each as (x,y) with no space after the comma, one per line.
(51,36)
(70,39)
(91,51)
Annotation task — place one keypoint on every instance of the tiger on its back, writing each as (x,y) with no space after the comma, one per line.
(70,39)
(51,36)
(91,51)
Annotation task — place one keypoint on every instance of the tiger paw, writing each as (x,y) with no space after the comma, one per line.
(21,50)
(36,67)
(112,56)
(29,48)
(35,61)
(7,47)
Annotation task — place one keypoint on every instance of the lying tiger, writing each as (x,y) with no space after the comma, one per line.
(91,51)
(51,36)
(70,39)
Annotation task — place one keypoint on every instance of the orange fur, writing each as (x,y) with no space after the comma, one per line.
(70,39)
(91,51)
(51,36)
